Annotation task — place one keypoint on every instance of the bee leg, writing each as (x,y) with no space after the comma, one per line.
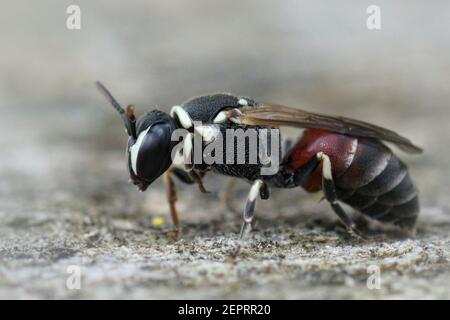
(187,177)
(198,178)
(182,175)
(259,188)
(286,178)
(329,191)
(305,171)
(172,198)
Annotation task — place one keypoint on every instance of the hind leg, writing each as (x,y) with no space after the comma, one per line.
(329,191)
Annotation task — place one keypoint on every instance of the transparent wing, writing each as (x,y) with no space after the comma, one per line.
(273,115)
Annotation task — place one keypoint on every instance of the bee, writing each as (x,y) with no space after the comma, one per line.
(344,158)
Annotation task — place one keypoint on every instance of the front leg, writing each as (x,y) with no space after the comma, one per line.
(172,198)
(190,177)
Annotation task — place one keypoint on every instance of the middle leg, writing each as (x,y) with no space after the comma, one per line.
(259,188)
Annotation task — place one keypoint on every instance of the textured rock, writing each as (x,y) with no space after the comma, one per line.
(64,199)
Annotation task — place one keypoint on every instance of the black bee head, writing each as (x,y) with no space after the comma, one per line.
(149,154)
(150,142)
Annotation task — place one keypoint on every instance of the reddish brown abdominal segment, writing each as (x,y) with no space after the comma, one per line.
(340,148)
(367,175)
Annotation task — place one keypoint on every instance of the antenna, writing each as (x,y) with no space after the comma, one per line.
(129,120)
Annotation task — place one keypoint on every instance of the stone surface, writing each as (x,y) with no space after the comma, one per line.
(64,200)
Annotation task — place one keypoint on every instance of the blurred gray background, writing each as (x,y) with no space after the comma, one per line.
(64,199)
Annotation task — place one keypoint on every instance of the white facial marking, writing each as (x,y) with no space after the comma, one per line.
(182,116)
(134,150)
(243,102)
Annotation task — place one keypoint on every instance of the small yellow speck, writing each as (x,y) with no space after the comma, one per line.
(157,221)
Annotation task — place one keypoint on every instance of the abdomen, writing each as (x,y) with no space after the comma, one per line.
(367,175)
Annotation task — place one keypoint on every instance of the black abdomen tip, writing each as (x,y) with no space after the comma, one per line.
(390,197)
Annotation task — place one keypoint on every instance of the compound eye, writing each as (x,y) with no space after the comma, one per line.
(150,155)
